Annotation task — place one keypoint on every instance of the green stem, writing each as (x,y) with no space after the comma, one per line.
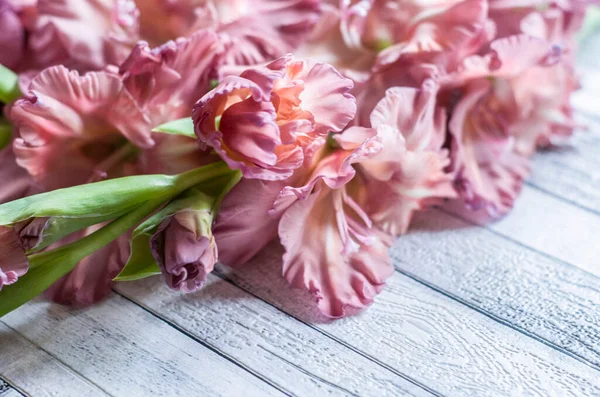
(9,85)
(47,267)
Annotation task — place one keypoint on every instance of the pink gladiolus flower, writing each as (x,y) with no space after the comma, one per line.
(260,121)
(327,45)
(486,119)
(164,20)
(409,172)
(185,249)
(73,128)
(166,81)
(542,93)
(259,30)
(332,248)
(84,35)
(455,28)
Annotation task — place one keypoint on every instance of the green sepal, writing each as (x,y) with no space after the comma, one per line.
(9,85)
(184,127)
(203,197)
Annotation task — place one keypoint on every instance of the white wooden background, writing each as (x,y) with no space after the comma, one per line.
(506,309)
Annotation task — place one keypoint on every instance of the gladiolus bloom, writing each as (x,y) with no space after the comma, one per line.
(259,122)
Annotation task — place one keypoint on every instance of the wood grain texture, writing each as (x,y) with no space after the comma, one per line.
(261,337)
(573,171)
(540,296)
(548,225)
(131,353)
(7,391)
(439,342)
(36,372)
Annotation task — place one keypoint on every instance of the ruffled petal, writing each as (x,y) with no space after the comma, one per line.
(164,20)
(489,172)
(326,95)
(166,81)
(454,30)
(409,173)
(70,123)
(316,234)
(260,30)
(85,35)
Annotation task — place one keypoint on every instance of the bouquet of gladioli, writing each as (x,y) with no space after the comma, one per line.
(163,136)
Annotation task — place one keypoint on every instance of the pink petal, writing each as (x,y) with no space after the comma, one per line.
(169,79)
(67,113)
(415,114)
(164,20)
(317,256)
(173,154)
(86,35)
(334,169)
(455,29)
(243,226)
(91,280)
(490,173)
(326,95)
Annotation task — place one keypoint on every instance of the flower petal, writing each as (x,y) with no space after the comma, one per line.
(243,226)
(317,258)
(91,280)
(68,114)
(86,35)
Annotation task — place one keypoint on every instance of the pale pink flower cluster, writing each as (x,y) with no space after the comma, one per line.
(385,107)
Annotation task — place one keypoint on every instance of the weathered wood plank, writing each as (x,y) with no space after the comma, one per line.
(269,341)
(36,372)
(546,224)
(130,352)
(540,296)
(7,391)
(572,172)
(436,340)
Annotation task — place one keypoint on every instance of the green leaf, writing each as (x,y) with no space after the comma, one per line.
(47,267)
(5,133)
(183,127)
(9,85)
(203,197)
(106,199)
